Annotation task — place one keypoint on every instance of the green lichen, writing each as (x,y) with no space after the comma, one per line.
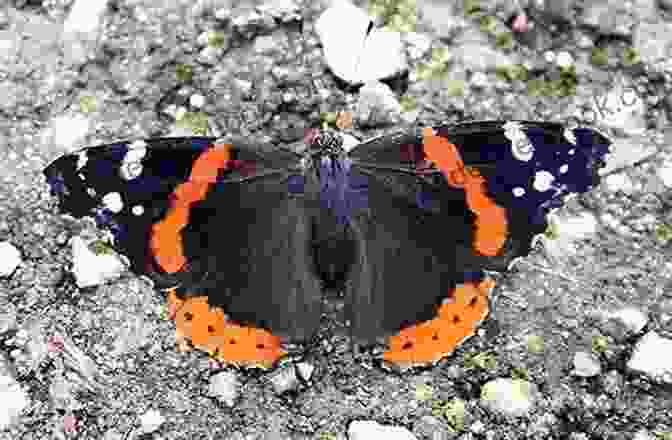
(520,373)
(513,72)
(472,7)
(599,56)
(424,392)
(328,119)
(408,103)
(101,247)
(197,122)
(397,15)
(664,232)
(216,39)
(88,104)
(663,435)
(454,411)
(184,72)
(552,231)
(600,344)
(504,40)
(484,360)
(488,24)
(535,344)
(454,87)
(437,65)
(565,85)
(328,436)
(631,56)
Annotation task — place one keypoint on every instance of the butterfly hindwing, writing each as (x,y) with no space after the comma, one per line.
(252,240)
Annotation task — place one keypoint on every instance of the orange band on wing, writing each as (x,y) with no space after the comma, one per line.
(457,319)
(491,222)
(208,329)
(166,241)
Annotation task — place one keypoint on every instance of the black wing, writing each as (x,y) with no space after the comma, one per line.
(443,206)
(225,220)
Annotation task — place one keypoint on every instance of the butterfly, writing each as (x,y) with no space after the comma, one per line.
(247,237)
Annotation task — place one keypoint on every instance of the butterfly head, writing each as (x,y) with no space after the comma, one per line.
(325,143)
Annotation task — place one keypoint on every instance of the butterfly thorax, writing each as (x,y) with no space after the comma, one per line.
(328,163)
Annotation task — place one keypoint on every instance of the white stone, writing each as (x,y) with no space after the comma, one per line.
(577,227)
(284,379)
(353,56)
(665,174)
(225,387)
(10,258)
(369,430)
(619,181)
(514,397)
(305,370)
(90,269)
(634,319)
(586,364)
(564,59)
(150,421)
(377,104)
(651,357)
(349,141)
(66,130)
(12,401)
(85,16)
(621,109)
(197,100)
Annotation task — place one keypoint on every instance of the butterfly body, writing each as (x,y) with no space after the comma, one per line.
(402,224)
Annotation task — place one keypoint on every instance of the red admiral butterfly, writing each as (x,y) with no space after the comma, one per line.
(246,237)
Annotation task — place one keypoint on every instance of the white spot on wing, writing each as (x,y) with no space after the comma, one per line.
(138,210)
(518,191)
(521,147)
(130,170)
(569,135)
(563,169)
(113,202)
(82,159)
(136,151)
(543,181)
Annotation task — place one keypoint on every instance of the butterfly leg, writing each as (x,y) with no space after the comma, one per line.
(457,319)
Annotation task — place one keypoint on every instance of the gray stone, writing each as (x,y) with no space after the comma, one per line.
(609,17)
(368,430)
(653,41)
(225,387)
(284,379)
(442,16)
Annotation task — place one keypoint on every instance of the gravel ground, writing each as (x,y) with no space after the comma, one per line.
(580,345)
